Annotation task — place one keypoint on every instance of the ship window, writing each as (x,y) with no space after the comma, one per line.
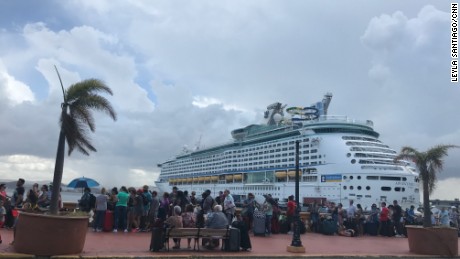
(397,189)
(314,150)
(404,179)
(306,139)
(351,187)
(390,178)
(368,188)
(372,177)
(353,161)
(359,187)
(348,154)
(344,187)
(359,177)
(386,188)
(351,177)
(344,177)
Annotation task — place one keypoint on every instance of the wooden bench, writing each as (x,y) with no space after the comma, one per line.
(196,234)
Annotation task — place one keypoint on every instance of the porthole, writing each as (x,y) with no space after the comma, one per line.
(404,179)
(348,154)
(368,188)
(351,187)
(351,177)
(344,177)
(359,177)
(385,188)
(344,187)
(359,187)
(353,161)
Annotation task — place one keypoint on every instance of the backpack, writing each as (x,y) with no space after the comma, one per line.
(92,201)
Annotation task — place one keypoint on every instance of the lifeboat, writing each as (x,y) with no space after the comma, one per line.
(292,174)
(281,174)
(189,180)
(201,178)
(207,178)
(229,177)
(195,180)
(237,177)
(214,178)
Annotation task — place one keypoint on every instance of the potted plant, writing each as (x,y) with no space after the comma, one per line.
(65,234)
(429,239)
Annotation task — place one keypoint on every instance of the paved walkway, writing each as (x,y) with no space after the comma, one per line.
(136,245)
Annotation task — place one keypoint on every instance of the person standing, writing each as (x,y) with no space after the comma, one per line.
(397,215)
(121,210)
(18,195)
(101,208)
(193,200)
(147,199)
(384,227)
(291,206)
(249,206)
(154,205)
(229,206)
(351,213)
(268,209)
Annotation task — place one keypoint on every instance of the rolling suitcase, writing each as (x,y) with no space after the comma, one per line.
(329,227)
(259,223)
(232,244)
(157,240)
(108,221)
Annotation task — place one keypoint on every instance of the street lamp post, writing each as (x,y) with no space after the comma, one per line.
(296,244)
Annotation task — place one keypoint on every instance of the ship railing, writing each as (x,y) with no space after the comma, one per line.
(341,118)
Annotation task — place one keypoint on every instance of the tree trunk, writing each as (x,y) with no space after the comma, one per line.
(426,205)
(58,170)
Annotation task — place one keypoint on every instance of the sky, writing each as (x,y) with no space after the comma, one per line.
(186,73)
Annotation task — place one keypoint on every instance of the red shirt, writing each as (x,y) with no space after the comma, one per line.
(290,208)
(384,214)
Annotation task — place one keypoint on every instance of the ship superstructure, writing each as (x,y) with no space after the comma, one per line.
(340,159)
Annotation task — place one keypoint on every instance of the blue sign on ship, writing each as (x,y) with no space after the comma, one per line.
(331,178)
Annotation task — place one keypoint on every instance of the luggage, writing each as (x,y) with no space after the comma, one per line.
(259,223)
(157,240)
(244,235)
(284,226)
(329,227)
(108,221)
(275,225)
(371,228)
(232,244)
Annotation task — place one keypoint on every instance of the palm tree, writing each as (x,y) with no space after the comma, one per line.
(76,119)
(428,163)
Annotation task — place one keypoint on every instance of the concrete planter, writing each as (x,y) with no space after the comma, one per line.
(433,241)
(47,235)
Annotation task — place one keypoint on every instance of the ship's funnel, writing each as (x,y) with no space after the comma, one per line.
(326,101)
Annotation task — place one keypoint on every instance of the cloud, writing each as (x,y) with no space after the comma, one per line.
(11,90)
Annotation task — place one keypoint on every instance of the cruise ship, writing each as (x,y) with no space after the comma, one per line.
(338,159)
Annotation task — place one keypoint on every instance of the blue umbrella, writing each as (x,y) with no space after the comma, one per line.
(83,182)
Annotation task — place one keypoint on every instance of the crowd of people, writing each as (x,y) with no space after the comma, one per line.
(139,210)
(385,220)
